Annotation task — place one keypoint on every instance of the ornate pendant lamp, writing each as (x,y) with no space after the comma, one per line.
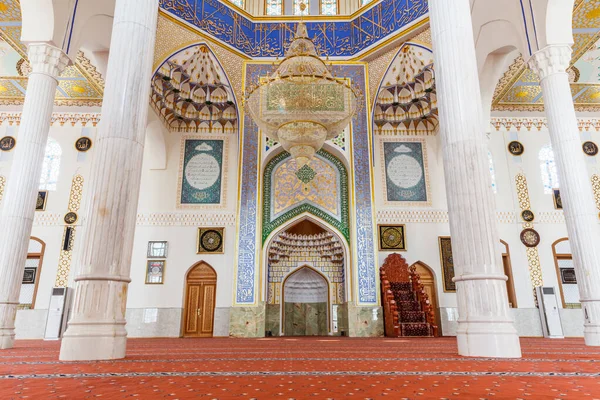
(301,104)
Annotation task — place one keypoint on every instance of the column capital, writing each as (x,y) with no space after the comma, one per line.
(553,59)
(46,59)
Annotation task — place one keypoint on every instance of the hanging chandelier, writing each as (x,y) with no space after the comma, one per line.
(301,104)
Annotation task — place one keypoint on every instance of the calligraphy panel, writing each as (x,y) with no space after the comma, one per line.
(405,171)
(202,180)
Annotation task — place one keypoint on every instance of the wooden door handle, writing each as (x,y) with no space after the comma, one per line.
(199,312)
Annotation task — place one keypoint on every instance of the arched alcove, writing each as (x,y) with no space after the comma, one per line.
(565,273)
(32,273)
(306,242)
(429,283)
(305,305)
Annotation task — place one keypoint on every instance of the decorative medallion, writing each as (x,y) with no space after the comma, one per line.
(557,199)
(7,143)
(516,148)
(70,218)
(306,174)
(83,144)
(42,199)
(530,237)
(590,148)
(391,237)
(527,215)
(210,240)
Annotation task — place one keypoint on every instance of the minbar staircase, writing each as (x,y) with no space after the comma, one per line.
(407,309)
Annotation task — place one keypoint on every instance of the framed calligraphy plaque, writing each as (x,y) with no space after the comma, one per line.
(7,143)
(406,177)
(447,264)
(202,172)
(392,237)
(83,144)
(557,199)
(155,272)
(42,199)
(210,240)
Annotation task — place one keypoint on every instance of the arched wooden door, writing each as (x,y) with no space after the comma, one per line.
(200,293)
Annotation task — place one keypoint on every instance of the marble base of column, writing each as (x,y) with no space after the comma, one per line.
(484,332)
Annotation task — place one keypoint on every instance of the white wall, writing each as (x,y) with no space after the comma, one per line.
(158,219)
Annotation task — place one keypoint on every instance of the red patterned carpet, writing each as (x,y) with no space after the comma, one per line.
(303,368)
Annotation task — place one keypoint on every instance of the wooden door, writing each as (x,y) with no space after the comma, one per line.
(510,287)
(201,285)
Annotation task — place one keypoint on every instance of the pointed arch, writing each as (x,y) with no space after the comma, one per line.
(294,200)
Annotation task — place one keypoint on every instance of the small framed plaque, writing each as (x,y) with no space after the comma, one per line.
(567,275)
(29,275)
(83,144)
(157,249)
(7,143)
(557,200)
(516,148)
(210,240)
(155,272)
(391,237)
(42,199)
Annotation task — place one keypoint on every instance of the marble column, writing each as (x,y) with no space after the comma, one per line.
(47,63)
(96,330)
(579,207)
(485,326)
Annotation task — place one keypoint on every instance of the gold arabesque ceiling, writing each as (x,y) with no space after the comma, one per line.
(519,89)
(79,85)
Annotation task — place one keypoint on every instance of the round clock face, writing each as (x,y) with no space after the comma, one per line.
(527,215)
(590,148)
(530,237)
(516,148)
(392,237)
(211,240)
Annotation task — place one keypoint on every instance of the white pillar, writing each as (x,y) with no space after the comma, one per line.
(580,211)
(47,63)
(96,329)
(485,327)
